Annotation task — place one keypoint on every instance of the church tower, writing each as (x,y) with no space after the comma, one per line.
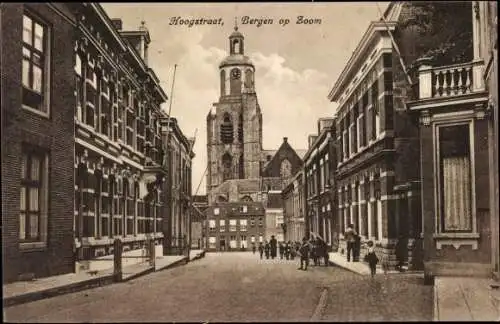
(234,125)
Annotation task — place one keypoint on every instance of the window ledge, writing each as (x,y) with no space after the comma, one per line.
(36,111)
(32,246)
(456,239)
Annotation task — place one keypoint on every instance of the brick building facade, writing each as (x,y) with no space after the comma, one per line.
(118,145)
(84,160)
(451,103)
(37,88)
(319,167)
(177,228)
(235,226)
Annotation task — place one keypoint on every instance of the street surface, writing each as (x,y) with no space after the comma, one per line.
(239,287)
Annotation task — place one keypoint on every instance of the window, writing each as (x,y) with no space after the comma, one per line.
(252,222)
(232,225)
(243,225)
(285,169)
(35,66)
(211,225)
(79,87)
(232,241)
(33,196)
(244,209)
(243,241)
(327,171)
(216,211)
(322,175)
(455,178)
(252,239)
(261,238)
(222,225)
(375,129)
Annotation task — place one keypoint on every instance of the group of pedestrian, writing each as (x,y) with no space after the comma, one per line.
(315,249)
(353,246)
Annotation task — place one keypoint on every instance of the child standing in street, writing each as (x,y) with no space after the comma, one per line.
(371,258)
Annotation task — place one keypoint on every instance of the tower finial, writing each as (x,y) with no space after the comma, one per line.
(236,23)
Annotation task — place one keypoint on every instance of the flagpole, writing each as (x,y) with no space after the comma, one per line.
(169,114)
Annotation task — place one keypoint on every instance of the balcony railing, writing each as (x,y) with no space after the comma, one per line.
(450,81)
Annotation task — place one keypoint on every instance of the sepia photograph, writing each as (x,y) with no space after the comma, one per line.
(249,162)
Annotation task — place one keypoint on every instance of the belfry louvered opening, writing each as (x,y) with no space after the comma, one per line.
(226,130)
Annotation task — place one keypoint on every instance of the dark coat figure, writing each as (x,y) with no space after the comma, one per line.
(281,249)
(304,251)
(288,250)
(253,248)
(321,251)
(274,246)
(314,252)
(371,258)
(261,249)
(400,251)
(267,249)
(350,236)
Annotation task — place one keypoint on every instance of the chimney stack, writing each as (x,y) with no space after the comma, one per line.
(285,139)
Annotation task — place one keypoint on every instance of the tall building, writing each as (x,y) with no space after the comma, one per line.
(239,169)
(456,107)
(38,139)
(84,159)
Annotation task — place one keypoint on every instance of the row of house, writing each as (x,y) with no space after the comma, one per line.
(88,155)
(411,152)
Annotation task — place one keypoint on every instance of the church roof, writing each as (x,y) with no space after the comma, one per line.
(236,59)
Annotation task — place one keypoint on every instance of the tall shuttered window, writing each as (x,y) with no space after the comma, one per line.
(455,178)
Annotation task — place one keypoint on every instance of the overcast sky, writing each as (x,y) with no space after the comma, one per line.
(296,65)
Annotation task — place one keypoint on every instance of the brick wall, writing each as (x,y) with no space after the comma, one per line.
(55,134)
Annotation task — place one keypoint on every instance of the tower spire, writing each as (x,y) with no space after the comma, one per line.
(235,23)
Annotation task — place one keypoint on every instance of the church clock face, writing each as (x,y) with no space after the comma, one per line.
(236,74)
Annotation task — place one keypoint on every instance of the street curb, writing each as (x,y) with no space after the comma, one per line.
(346,268)
(57,291)
(435,314)
(177,263)
(138,274)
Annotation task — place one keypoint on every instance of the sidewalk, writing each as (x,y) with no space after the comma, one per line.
(465,299)
(28,291)
(361,267)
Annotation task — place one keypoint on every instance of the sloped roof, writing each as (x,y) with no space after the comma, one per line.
(274,200)
(247,185)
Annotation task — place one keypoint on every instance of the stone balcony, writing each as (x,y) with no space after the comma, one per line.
(449,85)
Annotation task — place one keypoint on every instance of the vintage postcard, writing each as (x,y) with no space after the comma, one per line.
(250,162)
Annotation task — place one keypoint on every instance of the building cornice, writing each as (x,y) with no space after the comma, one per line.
(323,136)
(372,32)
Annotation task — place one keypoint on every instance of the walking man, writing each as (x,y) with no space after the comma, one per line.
(274,246)
(304,254)
(350,236)
(261,249)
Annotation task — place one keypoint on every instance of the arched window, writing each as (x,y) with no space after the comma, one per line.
(221,198)
(248,79)
(226,130)
(246,198)
(236,46)
(285,169)
(227,162)
(240,129)
(241,166)
(222,82)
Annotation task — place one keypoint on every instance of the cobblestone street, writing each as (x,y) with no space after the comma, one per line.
(238,287)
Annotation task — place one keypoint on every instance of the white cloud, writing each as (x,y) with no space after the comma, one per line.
(290,100)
